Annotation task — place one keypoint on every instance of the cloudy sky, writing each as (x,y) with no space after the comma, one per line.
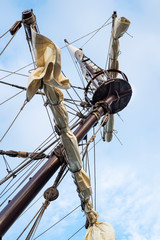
(128,189)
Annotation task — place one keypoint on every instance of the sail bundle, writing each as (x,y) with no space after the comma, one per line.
(89,69)
(48,74)
(120,27)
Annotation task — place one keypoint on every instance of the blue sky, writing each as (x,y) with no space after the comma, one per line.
(127,176)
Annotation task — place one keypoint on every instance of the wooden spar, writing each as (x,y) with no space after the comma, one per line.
(16,206)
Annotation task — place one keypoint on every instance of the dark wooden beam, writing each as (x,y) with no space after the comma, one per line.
(17,205)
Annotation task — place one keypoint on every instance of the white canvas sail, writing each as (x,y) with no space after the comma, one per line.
(119,28)
(88,68)
(48,58)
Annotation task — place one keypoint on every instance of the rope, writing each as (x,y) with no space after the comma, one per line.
(57,222)
(71,108)
(4,33)
(76,232)
(43,208)
(8,168)
(129,34)
(96,32)
(67,170)
(8,43)
(48,114)
(60,174)
(11,98)
(29,223)
(95,180)
(73,100)
(86,35)
(16,71)
(20,170)
(34,168)
(94,135)
(120,117)
(13,121)
(37,221)
(31,206)
(33,60)
(23,162)
(20,87)
(95,144)
(107,59)
(89,172)
(6,187)
(114,132)
(20,74)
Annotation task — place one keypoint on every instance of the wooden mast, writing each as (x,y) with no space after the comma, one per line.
(16,206)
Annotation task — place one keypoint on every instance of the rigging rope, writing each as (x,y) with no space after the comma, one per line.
(16,71)
(48,115)
(30,48)
(114,132)
(107,59)
(76,232)
(8,168)
(20,166)
(20,87)
(4,33)
(6,187)
(24,104)
(11,97)
(73,100)
(86,35)
(95,180)
(57,222)
(96,32)
(45,205)
(29,223)
(34,168)
(20,74)
(94,135)
(31,206)
(8,42)
(89,171)
(34,152)
(37,221)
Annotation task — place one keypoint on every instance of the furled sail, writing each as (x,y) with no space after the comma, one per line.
(88,68)
(48,59)
(100,231)
(120,26)
(48,72)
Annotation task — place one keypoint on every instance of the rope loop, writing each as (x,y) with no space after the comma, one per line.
(97,114)
(104,105)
